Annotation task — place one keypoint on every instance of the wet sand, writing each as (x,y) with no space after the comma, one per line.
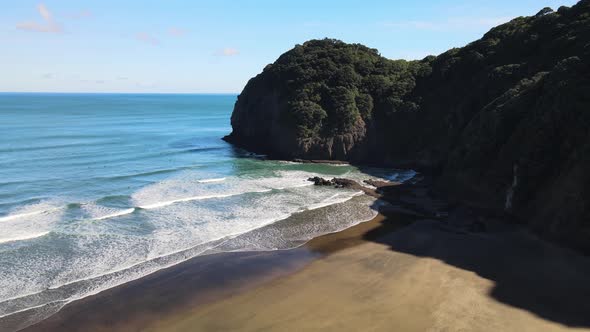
(142,304)
(398,272)
(372,286)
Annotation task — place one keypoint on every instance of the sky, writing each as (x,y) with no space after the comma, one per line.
(215,46)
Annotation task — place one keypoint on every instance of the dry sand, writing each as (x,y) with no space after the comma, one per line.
(421,278)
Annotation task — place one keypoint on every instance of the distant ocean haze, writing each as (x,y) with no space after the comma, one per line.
(100,189)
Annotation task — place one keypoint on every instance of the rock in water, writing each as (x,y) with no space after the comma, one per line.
(336,182)
(318,181)
(344,183)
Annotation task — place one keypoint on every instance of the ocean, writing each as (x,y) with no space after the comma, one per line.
(100,189)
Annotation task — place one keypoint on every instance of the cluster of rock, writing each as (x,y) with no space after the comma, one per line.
(335,182)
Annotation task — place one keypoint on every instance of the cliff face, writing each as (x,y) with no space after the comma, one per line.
(504,122)
(318,100)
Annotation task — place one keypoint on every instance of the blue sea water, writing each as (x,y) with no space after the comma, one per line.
(100,189)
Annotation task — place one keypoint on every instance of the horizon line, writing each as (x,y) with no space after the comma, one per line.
(120,93)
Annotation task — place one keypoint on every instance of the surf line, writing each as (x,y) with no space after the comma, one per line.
(211,180)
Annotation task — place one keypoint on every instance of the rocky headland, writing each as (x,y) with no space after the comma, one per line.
(502,124)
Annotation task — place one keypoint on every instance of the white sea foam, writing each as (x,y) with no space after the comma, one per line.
(402,176)
(335,199)
(249,215)
(179,218)
(187,199)
(27,214)
(116,214)
(182,189)
(22,237)
(30,222)
(211,180)
(127,273)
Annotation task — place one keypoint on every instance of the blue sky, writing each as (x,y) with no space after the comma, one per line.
(199,46)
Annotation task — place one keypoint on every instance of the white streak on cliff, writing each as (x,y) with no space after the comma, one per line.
(510,191)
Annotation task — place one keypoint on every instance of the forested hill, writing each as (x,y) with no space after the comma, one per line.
(502,123)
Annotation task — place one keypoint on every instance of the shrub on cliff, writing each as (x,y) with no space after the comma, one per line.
(329,86)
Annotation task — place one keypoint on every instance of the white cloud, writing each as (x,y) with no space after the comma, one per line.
(49,24)
(43,11)
(48,76)
(450,24)
(177,32)
(228,52)
(147,38)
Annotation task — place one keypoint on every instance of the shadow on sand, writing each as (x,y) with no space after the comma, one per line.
(545,280)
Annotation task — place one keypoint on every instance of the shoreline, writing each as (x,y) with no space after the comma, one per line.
(262,271)
(258,266)
(132,306)
(411,267)
(404,272)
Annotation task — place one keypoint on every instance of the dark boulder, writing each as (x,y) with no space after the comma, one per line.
(318,181)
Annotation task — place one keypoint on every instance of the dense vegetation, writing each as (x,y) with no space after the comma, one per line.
(332,85)
(503,122)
